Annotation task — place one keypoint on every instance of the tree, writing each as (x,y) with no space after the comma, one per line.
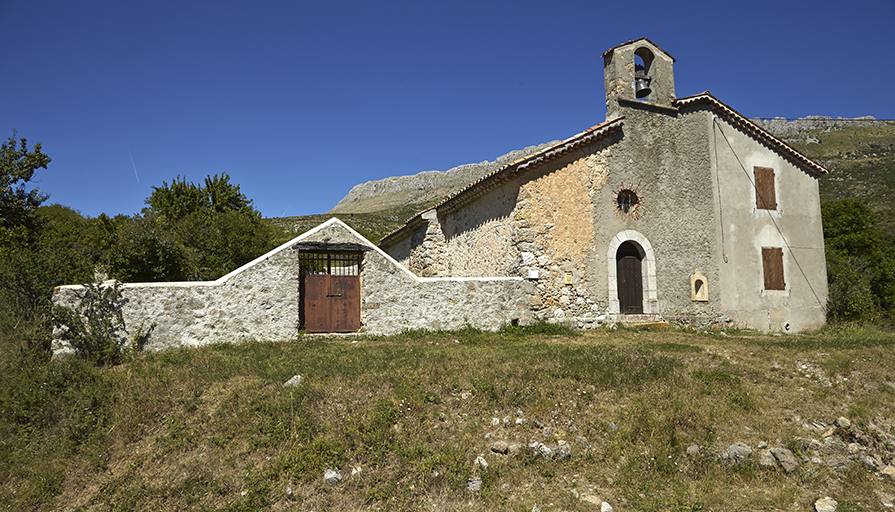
(214,225)
(182,198)
(860,265)
(26,269)
(145,250)
(18,204)
(221,242)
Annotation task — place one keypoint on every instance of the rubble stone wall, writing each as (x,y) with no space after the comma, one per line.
(260,301)
(538,228)
(257,302)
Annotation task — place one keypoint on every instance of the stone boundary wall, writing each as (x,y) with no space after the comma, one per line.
(395,299)
(260,300)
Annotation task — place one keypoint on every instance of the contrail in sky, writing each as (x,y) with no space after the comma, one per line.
(133,164)
(286,210)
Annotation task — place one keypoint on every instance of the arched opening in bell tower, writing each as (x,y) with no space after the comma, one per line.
(643,63)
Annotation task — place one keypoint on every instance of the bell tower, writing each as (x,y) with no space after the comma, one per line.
(637,72)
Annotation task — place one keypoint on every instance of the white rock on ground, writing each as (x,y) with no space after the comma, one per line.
(827,504)
(332,476)
(294,382)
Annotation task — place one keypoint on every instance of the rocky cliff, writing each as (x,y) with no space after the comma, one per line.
(424,189)
(804,129)
(429,187)
(859,152)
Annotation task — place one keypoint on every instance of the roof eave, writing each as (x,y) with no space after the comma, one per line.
(753,129)
(489,182)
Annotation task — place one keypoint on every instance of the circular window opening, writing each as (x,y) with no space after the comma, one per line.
(627,201)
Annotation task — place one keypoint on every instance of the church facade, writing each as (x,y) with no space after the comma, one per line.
(677,209)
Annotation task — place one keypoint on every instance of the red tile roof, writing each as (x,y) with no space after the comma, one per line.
(491,181)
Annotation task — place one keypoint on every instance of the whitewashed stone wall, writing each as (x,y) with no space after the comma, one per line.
(260,301)
(395,299)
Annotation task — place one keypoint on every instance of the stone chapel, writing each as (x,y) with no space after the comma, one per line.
(679,209)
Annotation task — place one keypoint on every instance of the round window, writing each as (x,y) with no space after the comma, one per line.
(627,201)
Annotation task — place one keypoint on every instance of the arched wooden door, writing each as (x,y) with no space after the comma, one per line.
(628,261)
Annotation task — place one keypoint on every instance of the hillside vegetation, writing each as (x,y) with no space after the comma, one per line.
(376,208)
(860,154)
(524,419)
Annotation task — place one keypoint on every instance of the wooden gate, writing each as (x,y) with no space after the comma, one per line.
(330,291)
(630,279)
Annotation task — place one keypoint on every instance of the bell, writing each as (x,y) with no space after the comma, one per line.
(641,85)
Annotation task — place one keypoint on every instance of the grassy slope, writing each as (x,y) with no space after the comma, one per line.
(404,418)
(373,225)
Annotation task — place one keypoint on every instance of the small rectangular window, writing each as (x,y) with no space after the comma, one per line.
(772,265)
(765,192)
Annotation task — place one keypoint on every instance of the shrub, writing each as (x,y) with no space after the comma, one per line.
(94,327)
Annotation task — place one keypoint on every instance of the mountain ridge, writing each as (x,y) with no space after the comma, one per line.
(426,187)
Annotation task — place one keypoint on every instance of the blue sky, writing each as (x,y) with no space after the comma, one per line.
(299,101)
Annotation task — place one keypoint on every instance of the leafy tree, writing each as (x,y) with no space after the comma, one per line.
(222,242)
(860,265)
(191,231)
(182,198)
(17,204)
(26,267)
(145,250)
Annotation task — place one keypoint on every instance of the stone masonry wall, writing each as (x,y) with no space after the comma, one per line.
(394,299)
(542,223)
(555,235)
(260,301)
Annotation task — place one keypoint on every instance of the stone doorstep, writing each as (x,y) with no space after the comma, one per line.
(651,325)
(651,321)
(331,334)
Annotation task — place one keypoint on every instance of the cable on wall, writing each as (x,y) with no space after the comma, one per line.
(773,220)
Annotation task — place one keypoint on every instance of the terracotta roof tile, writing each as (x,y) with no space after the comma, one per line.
(490,181)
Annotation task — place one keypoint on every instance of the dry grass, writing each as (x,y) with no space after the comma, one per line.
(405,418)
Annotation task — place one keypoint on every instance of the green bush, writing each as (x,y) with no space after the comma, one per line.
(94,327)
(860,265)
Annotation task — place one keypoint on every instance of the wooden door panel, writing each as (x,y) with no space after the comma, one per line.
(317,311)
(344,298)
(630,285)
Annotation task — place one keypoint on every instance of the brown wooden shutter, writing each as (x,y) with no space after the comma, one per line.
(765,192)
(772,263)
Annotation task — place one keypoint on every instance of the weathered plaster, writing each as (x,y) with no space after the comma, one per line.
(794,226)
